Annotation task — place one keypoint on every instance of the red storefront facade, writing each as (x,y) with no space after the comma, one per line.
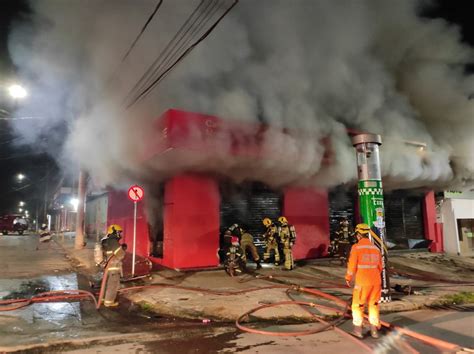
(191,201)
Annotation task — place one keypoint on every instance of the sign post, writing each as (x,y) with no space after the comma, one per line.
(135,193)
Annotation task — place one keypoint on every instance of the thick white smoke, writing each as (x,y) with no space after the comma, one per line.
(312,67)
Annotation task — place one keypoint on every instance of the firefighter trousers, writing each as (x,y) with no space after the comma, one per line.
(250,247)
(272,245)
(363,294)
(289,263)
(112,284)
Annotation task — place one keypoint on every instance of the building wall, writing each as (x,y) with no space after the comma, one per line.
(191,222)
(433,229)
(120,212)
(308,210)
(96,217)
(452,210)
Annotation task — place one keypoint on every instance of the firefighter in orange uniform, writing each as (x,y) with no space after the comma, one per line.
(365,262)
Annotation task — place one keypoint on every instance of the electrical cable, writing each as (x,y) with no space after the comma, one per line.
(208,15)
(151,68)
(205,15)
(181,57)
(146,91)
(150,18)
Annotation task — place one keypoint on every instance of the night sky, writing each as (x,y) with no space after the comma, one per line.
(41,170)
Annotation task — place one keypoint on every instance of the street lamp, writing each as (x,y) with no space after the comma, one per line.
(74,202)
(16,91)
(20,177)
(20,209)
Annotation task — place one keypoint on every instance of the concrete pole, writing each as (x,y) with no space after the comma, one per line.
(370,191)
(79,242)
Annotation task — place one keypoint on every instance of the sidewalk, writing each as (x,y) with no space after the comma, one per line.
(167,301)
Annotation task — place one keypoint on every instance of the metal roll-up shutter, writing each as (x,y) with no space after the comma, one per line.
(341,204)
(247,205)
(403,217)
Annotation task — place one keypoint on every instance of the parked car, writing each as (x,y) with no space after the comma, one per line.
(13,223)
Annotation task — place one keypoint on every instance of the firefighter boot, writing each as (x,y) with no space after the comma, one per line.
(259,266)
(374,332)
(357,332)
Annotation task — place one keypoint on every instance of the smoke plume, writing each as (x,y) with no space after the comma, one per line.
(312,68)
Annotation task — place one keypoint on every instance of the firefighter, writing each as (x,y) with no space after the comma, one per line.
(344,230)
(233,263)
(246,244)
(342,241)
(271,241)
(114,253)
(365,262)
(287,235)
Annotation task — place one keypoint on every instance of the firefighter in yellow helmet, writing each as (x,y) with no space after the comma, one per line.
(114,253)
(287,235)
(365,263)
(271,241)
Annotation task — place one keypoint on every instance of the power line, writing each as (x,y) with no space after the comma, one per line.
(113,76)
(148,89)
(150,18)
(150,70)
(201,20)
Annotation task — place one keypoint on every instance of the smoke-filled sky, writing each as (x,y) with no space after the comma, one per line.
(314,67)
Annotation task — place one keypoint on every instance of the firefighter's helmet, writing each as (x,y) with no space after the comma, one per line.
(114,229)
(43,227)
(283,220)
(267,222)
(362,229)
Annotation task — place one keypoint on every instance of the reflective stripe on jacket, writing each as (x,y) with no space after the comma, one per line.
(365,262)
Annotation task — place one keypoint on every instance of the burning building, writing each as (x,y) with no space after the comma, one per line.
(287,82)
(183,216)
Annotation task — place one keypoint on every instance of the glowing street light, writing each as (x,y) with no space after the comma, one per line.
(21,204)
(16,91)
(74,202)
(20,177)
(20,209)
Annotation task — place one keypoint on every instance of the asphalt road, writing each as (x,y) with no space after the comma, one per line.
(78,327)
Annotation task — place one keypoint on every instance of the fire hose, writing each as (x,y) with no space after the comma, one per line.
(66,295)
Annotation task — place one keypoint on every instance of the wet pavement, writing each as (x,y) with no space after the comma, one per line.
(78,327)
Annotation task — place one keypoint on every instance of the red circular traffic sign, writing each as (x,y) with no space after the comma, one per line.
(136,193)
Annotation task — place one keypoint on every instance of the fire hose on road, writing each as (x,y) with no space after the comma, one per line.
(341,310)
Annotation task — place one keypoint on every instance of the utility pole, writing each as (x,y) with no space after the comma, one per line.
(81,196)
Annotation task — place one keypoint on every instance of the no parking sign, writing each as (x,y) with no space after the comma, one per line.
(135,194)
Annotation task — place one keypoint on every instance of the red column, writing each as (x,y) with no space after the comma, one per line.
(120,212)
(432,229)
(191,222)
(308,210)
